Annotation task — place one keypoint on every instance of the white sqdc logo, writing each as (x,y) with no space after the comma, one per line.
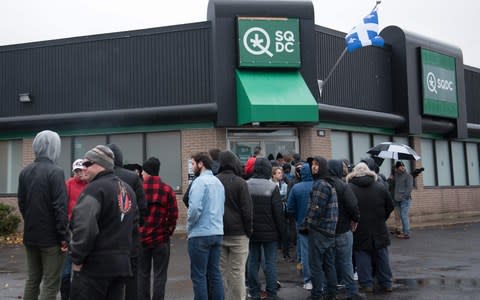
(433,83)
(257,41)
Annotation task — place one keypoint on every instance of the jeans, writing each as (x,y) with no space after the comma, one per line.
(160,255)
(302,241)
(86,287)
(44,266)
(343,261)
(270,270)
(321,251)
(404,206)
(204,252)
(233,258)
(379,258)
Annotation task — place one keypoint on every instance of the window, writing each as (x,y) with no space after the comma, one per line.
(386,166)
(472,164)
(428,162)
(442,158)
(340,145)
(360,145)
(458,164)
(11,156)
(167,147)
(65,159)
(131,146)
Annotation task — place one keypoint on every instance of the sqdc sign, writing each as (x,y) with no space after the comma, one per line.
(268,42)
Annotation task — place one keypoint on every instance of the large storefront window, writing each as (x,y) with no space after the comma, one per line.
(428,163)
(11,154)
(458,164)
(167,147)
(472,163)
(443,163)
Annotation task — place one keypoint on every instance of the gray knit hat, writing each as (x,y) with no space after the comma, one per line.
(101,155)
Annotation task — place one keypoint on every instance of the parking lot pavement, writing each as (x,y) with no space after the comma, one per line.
(436,263)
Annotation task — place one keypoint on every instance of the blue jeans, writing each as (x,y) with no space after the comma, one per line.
(403,207)
(302,241)
(270,270)
(364,261)
(321,254)
(204,252)
(343,261)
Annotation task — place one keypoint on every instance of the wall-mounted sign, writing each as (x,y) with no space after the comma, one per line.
(439,81)
(268,42)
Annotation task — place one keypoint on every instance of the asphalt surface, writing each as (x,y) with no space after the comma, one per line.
(436,263)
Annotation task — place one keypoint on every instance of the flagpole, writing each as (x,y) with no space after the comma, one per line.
(321,83)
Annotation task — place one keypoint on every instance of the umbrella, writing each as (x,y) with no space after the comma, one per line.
(394,151)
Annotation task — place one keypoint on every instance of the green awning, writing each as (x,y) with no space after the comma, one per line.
(274,96)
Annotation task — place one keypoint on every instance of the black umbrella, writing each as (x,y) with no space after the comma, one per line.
(394,150)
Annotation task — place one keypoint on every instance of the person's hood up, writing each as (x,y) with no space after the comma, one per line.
(306,173)
(370,163)
(262,168)
(335,167)
(47,144)
(362,175)
(323,169)
(118,159)
(229,161)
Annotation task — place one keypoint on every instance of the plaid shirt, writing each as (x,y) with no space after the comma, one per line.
(323,208)
(162,212)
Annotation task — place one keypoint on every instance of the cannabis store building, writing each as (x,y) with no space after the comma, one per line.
(247,77)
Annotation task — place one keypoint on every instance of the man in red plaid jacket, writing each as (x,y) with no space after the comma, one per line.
(155,233)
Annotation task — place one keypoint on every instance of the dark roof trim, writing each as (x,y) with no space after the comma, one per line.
(107,36)
(359,116)
(473,130)
(146,115)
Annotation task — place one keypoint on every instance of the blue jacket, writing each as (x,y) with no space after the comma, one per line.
(206,205)
(300,195)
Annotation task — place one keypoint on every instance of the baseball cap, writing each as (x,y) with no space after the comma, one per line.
(78,164)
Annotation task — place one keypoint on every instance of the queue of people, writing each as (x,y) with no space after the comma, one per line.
(107,227)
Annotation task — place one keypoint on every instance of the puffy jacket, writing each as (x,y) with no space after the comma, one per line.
(268,218)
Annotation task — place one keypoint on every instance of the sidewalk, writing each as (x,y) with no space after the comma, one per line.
(436,263)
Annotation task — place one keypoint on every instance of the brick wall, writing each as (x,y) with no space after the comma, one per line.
(313,145)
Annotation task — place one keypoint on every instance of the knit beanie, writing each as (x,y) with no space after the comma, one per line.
(152,166)
(101,155)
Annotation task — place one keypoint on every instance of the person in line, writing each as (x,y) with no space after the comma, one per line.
(42,199)
(134,181)
(348,217)
(155,233)
(322,216)
(214,153)
(206,204)
(237,226)
(75,186)
(297,205)
(248,170)
(371,240)
(278,179)
(103,224)
(268,225)
(403,197)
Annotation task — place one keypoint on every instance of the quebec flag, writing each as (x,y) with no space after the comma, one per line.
(365,33)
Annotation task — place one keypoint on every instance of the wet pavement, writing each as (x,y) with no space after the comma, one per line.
(436,263)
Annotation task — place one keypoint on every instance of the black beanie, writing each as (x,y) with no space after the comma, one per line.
(152,166)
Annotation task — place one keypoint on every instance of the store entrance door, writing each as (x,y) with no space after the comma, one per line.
(272,141)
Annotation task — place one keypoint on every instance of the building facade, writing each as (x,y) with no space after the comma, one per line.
(248,76)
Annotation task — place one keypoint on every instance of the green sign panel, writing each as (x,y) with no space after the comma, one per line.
(439,84)
(268,42)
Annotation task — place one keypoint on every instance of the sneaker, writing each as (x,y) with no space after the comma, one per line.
(403,236)
(366,289)
(308,286)
(279,285)
(355,276)
(387,289)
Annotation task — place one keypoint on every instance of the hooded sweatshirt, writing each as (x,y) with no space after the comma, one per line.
(42,195)
(299,196)
(347,202)
(238,213)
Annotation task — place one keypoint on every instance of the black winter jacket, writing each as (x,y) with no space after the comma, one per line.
(238,213)
(102,234)
(347,201)
(375,204)
(42,200)
(268,218)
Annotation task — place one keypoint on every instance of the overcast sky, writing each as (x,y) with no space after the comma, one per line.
(452,22)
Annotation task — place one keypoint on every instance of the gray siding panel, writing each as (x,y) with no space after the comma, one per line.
(149,68)
(362,79)
(472,94)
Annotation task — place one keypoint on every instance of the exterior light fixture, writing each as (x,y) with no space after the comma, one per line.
(24,97)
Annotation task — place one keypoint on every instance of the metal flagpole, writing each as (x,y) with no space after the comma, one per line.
(321,83)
